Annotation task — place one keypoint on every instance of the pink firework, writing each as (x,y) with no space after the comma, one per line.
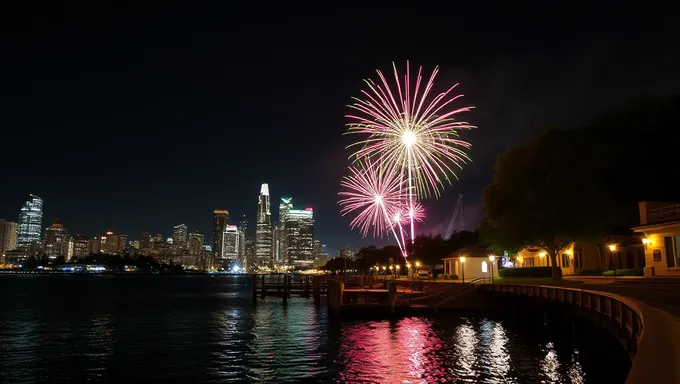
(413,130)
(417,212)
(373,192)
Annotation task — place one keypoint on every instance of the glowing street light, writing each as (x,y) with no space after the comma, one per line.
(542,255)
(612,249)
(462,267)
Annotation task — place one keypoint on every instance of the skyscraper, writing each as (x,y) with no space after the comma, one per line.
(179,235)
(300,236)
(263,230)
(56,240)
(196,241)
(30,221)
(243,225)
(220,220)
(280,240)
(8,236)
(231,243)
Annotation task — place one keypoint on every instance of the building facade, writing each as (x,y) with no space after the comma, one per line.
(231,244)
(220,221)
(300,236)
(179,235)
(8,236)
(30,222)
(660,230)
(56,241)
(263,230)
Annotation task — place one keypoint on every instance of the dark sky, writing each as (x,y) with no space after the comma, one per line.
(137,118)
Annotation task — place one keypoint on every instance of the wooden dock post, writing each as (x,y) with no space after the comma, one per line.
(317,288)
(263,288)
(253,281)
(392,295)
(334,294)
(306,286)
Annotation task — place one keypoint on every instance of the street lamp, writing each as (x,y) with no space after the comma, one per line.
(492,259)
(408,270)
(542,256)
(397,267)
(612,249)
(462,267)
(391,271)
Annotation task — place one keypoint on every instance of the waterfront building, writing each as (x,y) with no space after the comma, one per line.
(220,221)
(660,228)
(300,236)
(471,262)
(56,241)
(280,239)
(263,229)
(30,222)
(179,235)
(8,236)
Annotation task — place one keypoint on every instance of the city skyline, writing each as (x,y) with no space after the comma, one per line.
(153,129)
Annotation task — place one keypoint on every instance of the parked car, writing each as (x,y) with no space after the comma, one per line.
(424,274)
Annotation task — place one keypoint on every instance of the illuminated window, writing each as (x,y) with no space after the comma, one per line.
(485,269)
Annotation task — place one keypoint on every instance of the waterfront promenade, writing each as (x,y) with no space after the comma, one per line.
(659,303)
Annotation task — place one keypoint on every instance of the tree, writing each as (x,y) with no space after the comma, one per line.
(544,194)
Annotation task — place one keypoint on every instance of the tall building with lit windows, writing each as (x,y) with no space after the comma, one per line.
(220,220)
(56,241)
(231,243)
(279,240)
(179,235)
(300,236)
(263,229)
(8,236)
(30,222)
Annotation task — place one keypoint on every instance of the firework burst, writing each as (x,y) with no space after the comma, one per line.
(411,128)
(375,193)
(413,131)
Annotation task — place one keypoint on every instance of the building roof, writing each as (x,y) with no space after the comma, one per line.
(471,251)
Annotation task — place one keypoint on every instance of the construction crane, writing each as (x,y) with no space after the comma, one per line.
(456,213)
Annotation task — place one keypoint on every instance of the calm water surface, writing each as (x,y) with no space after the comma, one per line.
(197,329)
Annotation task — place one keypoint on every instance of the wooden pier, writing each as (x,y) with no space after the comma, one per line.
(354,294)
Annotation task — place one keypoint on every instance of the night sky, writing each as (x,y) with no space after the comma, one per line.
(137,119)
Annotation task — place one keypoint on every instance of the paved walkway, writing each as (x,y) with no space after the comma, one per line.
(663,293)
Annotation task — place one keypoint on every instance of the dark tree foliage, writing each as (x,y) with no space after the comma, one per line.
(566,185)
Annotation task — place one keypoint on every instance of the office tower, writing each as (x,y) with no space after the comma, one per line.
(280,240)
(220,220)
(300,236)
(179,235)
(243,225)
(30,222)
(8,236)
(56,240)
(231,243)
(196,241)
(263,230)
(82,246)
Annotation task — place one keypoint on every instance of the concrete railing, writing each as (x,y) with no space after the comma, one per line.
(649,335)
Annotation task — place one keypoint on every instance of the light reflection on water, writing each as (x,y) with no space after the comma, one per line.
(200,330)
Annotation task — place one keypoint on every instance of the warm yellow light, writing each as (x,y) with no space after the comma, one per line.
(568,251)
(417,264)
(408,138)
(398,266)
(462,259)
(612,247)
(390,267)
(540,254)
(492,258)
(646,241)
(384,268)
(408,265)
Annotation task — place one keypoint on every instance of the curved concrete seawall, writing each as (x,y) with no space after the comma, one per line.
(651,336)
